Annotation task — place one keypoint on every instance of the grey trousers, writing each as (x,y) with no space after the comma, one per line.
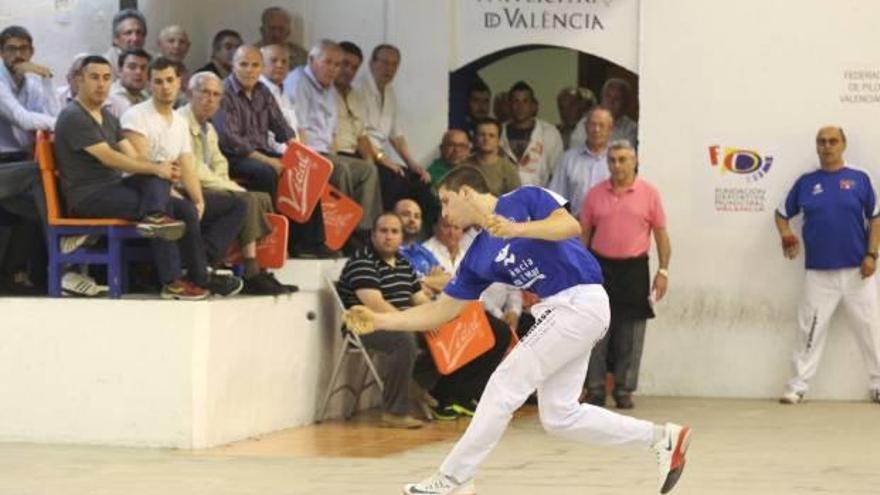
(623,344)
(255,224)
(400,352)
(359,180)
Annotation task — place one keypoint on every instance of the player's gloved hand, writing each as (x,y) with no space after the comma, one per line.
(790,246)
(360,320)
(499,226)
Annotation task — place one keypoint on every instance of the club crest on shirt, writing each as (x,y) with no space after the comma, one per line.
(817,189)
(847,184)
(505,256)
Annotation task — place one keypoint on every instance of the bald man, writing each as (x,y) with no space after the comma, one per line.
(275,29)
(842,236)
(248,112)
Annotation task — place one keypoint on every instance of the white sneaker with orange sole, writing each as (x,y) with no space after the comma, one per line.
(671,450)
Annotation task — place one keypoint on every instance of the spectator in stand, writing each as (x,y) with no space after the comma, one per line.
(223,47)
(455,147)
(159,134)
(67,93)
(500,173)
(573,104)
(310,88)
(379,277)
(247,113)
(276,66)
(129,33)
(131,86)
(533,144)
(206,91)
(617,98)
(275,29)
(501,107)
(351,134)
(584,166)
(479,103)
(92,156)
(174,45)
(400,176)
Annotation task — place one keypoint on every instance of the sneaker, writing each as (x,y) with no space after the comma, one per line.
(161,226)
(400,421)
(224,285)
(440,484)
(290,288)
(184,290)
(262,285)
(77,284)
(463,408)
(443,413)
(670,451)
(71,243)
(791,398)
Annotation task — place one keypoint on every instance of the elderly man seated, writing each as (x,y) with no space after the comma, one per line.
(206,91)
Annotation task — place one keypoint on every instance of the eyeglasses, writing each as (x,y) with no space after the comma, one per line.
(460,146)
(829,141)
(12,49)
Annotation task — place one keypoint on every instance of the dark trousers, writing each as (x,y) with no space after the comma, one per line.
(257,176)
(400,350)
(139,195)
(222,222)
(467,383)
(396,187)
(22,198)
(622,347)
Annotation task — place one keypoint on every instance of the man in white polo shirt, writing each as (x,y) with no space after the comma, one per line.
(159,134)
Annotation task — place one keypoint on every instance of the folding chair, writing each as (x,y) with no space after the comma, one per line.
(351,346)
(116,231)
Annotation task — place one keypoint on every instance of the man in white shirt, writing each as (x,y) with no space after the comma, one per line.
(585,165)
(400,175)
(616,97)
(310,87)
(533,144)
(160,134)
(276,66)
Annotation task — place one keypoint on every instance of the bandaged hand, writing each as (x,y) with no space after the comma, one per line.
(359,320)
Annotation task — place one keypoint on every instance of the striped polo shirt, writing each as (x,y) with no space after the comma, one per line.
(366,270)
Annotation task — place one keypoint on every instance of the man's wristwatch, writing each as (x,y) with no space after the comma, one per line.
(872,254)
(379,156)
(663,271)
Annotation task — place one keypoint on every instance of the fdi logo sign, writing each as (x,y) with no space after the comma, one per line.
(747,163)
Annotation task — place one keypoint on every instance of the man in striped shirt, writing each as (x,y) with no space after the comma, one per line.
(378,277)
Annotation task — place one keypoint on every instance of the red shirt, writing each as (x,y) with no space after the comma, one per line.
(622,222)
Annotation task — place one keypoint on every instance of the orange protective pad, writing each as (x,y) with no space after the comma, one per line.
(302,182)
(461,340)
(341,216)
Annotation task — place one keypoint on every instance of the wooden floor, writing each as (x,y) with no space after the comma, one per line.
(739,447)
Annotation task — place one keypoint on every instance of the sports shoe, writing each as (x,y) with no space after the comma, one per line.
(624,401)
(71,243)
(261,285)
(440,484)
(463,408)
(400,421)
(184,290)
(875,395)
(670,451)
(161,226)
(790,397)
(77,284)
(443,413)
(290,288)
(224,285)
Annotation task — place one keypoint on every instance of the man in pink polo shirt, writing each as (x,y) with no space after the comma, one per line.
(618,216)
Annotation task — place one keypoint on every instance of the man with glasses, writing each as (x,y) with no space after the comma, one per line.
(27,104)
(841,237)
(454,150)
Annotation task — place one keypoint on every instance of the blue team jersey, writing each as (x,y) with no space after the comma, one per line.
(543,267)
(421,259)
(836,207)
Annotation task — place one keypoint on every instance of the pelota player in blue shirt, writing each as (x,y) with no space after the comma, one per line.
(530,241)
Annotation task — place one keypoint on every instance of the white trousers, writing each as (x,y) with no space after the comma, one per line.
(553,359)
(824,290)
